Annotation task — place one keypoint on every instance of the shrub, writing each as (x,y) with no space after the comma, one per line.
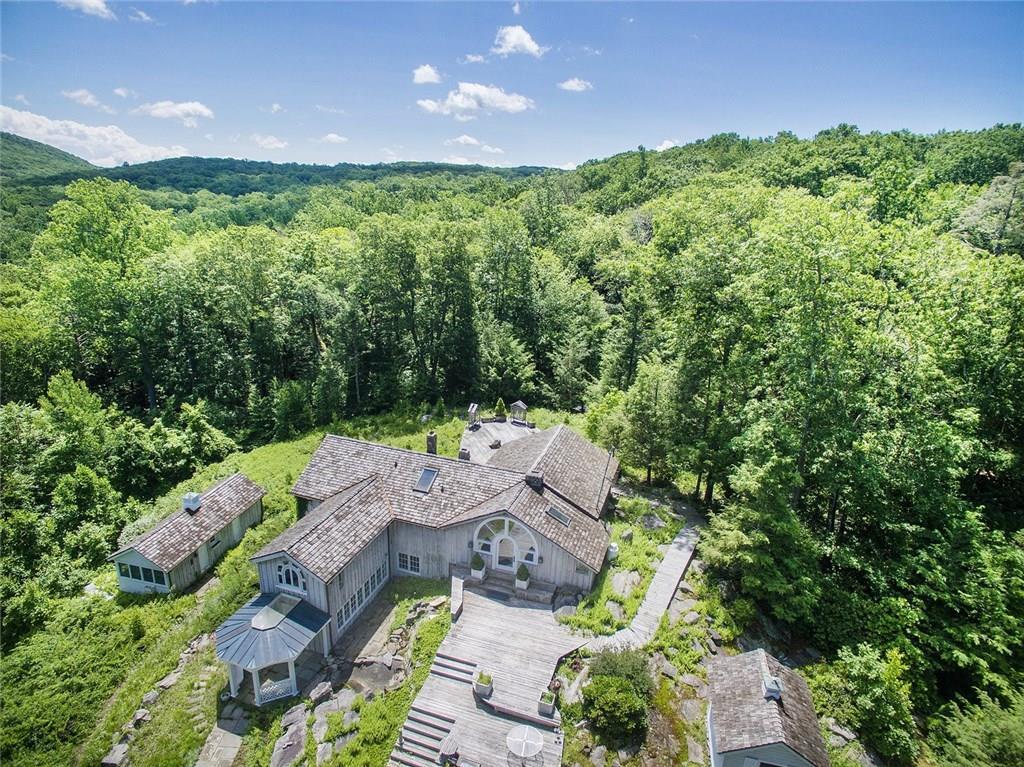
(477,562)
(522,573)
(628,665)
(616,713)
(985,733)
(483,678)
(547,696)
(499,408)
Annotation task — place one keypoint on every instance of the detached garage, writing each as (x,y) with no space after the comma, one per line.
(189,542)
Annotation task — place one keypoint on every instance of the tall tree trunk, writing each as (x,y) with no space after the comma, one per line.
(709,491)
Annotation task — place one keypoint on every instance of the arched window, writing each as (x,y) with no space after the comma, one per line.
(500,528)
(291,577)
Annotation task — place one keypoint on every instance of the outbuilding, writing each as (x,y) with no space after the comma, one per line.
(186,544)
(760,714)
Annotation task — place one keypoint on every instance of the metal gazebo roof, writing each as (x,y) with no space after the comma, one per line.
(272,628)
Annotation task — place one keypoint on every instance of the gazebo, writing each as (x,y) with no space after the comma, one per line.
(518,410)
(269,632)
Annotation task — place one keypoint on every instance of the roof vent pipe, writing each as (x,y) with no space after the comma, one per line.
(773,688)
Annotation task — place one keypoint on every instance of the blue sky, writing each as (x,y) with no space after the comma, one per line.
(527,83)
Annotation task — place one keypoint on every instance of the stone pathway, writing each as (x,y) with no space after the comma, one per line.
(658,598)
(225,739)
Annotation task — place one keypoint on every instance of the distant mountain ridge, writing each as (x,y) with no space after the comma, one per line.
(38,164)
(22,158)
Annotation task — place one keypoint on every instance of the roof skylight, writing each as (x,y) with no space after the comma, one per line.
(426,480)
(558,515)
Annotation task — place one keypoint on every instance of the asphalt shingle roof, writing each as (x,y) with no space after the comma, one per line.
(745,719)
(179,535)
(362,486)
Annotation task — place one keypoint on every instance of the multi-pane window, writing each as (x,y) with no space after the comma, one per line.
(144,574)
(291,577)
(410,563)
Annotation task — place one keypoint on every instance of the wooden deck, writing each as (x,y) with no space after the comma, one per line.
(478,441)
(519,644)
(659,595)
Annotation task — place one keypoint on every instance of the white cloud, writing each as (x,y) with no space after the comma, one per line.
(591,51)
(100,144)
(208,136)
(516,8)
(330,110)
(334,138)
(425,74)
(666,144)
(6,57)
(515,39)
(274,109)
(464,140)
(473,58)
(87,99)
(267,142)
(455,159)
(391,155)
(188,112)
(90,8)
(140,16)
(492,149)
(568,165)
(576,84)
(124,92)
(471,98)
(21,98)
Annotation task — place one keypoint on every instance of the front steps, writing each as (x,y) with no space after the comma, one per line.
(419,743)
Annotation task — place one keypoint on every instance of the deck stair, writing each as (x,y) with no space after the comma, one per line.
(420,741)
(453,668)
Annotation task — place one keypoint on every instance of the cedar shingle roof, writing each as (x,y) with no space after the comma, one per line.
(573,467)
(179,535)
(744,719)
(332,534)
(342,470)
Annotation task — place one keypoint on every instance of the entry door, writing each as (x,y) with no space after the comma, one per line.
(506,554)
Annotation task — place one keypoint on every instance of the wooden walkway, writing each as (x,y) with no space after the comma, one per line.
(659,596)
(519,644)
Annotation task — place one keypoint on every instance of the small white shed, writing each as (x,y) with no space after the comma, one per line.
(189,542)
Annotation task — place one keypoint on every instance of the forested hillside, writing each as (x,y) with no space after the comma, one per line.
(822,339)
(23,158)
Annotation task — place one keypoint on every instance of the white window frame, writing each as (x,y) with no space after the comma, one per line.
(408,566)
(286,567)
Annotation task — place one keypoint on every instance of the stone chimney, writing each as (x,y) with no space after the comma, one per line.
(463,453)
(535,479)
(432,442)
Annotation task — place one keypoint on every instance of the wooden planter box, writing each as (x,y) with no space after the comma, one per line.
(546,708)
(478,574)
(523,585)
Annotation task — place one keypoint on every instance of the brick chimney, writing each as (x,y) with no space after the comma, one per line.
(535,479)
(432,442)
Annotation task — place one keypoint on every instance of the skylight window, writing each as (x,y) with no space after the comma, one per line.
(559,515)
(426,480)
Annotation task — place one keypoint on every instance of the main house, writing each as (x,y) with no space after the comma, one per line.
(186,544)
(369,512)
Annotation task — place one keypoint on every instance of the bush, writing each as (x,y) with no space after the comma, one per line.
(985,733)
(499,408)
(477,562)
(628,665)
(522,573)
(616,713)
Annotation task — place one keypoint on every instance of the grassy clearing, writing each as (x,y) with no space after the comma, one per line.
(403,593)
(639,554)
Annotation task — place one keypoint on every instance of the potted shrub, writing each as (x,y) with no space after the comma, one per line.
(483,685)
(546,704)
(500,411)
(522,577)
(477,567)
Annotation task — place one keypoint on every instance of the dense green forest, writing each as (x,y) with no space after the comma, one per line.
(824,339)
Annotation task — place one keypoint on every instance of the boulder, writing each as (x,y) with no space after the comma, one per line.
(350,718)
(691,617)
(837,729)
(652,522)
(598,755)
(324,752)
(679,607)
(141,715)
(686,588)
(694,750)
(615,609)
(625,581)
(345,697)
(169,680)
(565,611)
(386,659)
(692,709)
(566,600)
(150,697)
(293,716)
(289,748)
(321,692)
(627,536)
(668,669)
(628,752)
(116,757)
(320,718)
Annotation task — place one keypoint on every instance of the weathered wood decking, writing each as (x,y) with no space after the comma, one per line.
(519,644)
(659,595)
